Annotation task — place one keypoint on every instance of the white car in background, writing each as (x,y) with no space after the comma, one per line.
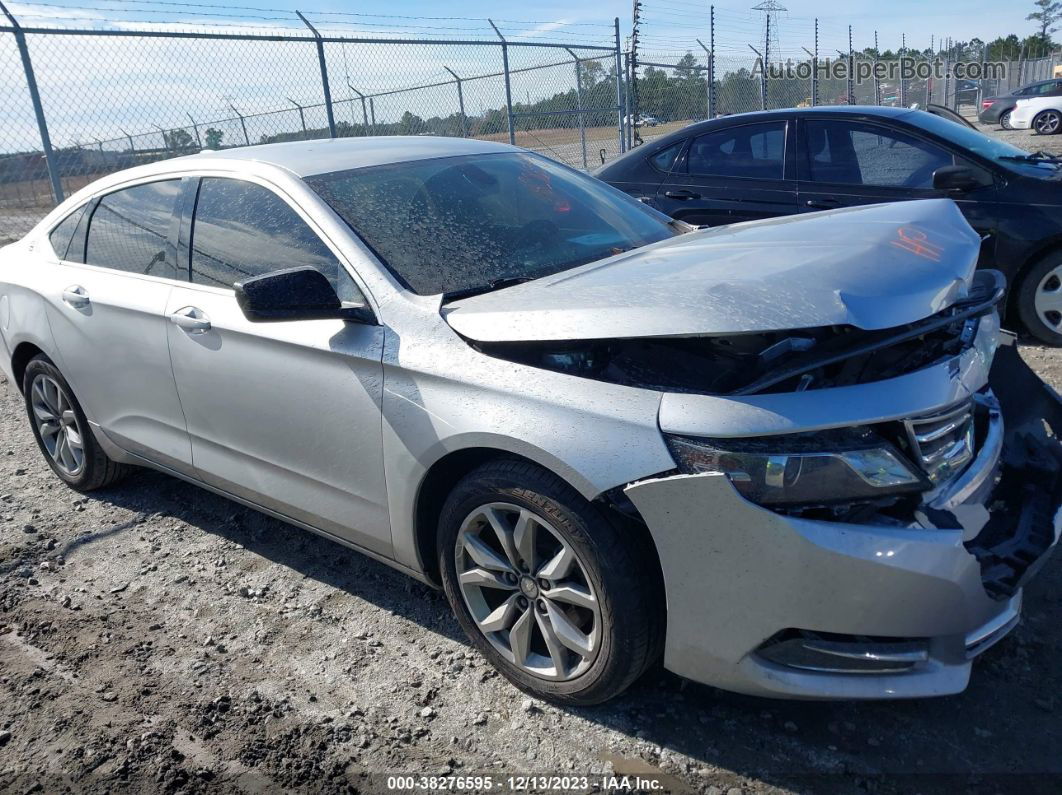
(1043,114)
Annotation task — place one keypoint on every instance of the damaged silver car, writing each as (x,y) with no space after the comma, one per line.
(795,457)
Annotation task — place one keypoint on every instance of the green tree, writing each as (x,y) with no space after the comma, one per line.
(1050,12)
(213,138)
(178,140)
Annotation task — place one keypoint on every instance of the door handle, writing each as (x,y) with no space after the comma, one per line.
(76,295)
(823,204)
(682,194)
(191,319)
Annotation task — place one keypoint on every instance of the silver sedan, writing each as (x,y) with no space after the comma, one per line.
(794,458)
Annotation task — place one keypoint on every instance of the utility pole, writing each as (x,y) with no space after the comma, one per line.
(633,113)
(769,8)
(711,62)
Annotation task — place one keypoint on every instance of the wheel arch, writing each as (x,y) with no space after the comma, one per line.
(446,472)
(1049,246)
(24,353)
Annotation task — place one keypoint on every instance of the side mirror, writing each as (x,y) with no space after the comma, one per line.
(302,293)
(960,178)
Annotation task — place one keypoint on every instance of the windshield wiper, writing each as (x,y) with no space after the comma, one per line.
(479,289)
(1034,157)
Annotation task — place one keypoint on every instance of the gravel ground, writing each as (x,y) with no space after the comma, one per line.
(154,637)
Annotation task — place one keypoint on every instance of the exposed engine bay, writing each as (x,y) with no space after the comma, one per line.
(763,362)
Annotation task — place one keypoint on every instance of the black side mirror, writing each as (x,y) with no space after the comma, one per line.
(302,293)
(960,178)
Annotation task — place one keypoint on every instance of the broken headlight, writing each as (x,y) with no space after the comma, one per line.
(843,465)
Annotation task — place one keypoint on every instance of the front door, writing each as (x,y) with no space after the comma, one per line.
(845,163)
(107,315)
(284,414)
(734,174)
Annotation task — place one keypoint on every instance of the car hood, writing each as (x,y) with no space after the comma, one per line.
(872,267)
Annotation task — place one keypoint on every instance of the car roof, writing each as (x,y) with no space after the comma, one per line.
(306,158)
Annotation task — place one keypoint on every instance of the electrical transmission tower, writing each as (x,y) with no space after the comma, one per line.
(770,9)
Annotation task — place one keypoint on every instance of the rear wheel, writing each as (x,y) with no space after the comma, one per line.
(550,591)
(1004,121)
(1040,300)
(1048,122)
(62,431)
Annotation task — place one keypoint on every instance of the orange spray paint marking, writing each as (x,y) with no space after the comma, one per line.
(916,242)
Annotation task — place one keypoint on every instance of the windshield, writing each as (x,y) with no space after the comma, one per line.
(457,223)
(992,148)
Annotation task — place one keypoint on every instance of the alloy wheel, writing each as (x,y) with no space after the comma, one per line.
(527,591)
(57,423)
(1048,123)
(1004,121)
(1048,299)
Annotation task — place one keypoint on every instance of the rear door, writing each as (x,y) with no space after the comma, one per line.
(737,173)
(107,315)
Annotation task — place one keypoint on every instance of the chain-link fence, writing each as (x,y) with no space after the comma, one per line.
(692,61)
(77,103)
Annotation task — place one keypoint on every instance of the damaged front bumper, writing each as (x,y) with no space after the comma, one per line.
(771,604)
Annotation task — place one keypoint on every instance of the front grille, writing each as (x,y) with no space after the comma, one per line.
(942,443)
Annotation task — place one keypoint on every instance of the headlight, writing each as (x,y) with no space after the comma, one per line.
(798,469)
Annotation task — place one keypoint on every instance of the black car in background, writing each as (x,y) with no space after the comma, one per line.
(759,165)
(996,110)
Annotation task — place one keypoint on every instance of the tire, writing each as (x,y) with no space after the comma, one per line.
(1039,289)
(627,628)
(1004,121)
(1047,122)
(46,390)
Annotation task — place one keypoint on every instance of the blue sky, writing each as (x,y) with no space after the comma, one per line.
(960,19)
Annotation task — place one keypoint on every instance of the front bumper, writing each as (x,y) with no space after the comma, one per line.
(940,590)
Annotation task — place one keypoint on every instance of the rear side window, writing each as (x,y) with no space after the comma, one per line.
(62,234)
(243,230)
(130,230)
(755,151)
(665,158)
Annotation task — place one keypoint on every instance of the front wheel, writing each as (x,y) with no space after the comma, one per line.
(1040,300)
(62,431)
(561,602)
(1004,121)
(1048,122)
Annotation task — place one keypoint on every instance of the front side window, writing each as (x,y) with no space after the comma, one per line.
(849,153)
(63,233)
(130,230)
(751,150)
(242,230)
(451,224)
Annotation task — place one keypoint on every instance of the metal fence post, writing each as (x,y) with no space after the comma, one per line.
(128,137)
(195,127)
(619,95)
(877,82)
(364,111)
(243,124)
(815,68)
(460,102)
(579,105)
(708,87)
(324,76)
(903,82)
(372,115)
(763,78)
(302,115)
(711,62)
(38,109)
(508,85)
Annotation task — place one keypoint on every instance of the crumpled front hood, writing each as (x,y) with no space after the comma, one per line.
(871,267)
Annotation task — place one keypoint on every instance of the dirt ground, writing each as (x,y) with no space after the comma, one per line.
(156,638)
